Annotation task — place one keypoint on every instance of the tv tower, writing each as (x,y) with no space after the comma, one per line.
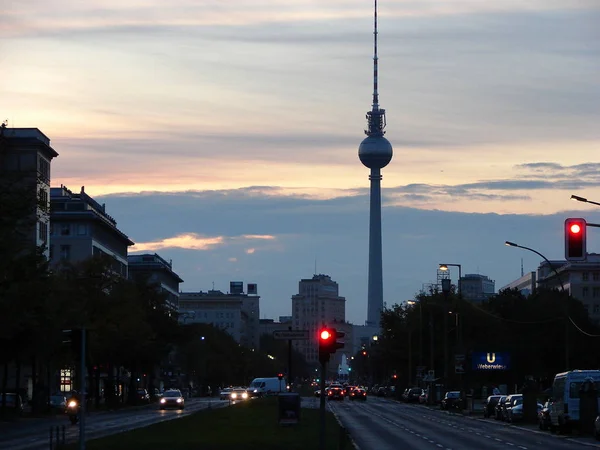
(375,152)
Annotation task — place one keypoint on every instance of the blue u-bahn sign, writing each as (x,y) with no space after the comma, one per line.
(490,360)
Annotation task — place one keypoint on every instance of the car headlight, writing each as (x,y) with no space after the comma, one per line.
(233,395)
(162,400)
(72,404)
(179,400)
(255,391)
(245,395)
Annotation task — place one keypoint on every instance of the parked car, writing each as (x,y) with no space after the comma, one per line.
(515,413)
(424,396)
(13,402)
(544,416)
(510,402)
(489,405)
(358,394)
(413,394)
(451,400)
(142,396)
(499,407)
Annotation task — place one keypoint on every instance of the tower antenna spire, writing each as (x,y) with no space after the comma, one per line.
(375,61)
(375,117)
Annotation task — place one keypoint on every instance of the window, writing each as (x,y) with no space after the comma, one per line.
(596,308)
(584,291)
(596,276)
(584,276)
(65,252)
(43,231)
(65,229)
(43,199)
(596,292)
(81,229)
(44,169)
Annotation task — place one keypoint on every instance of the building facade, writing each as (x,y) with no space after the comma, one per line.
(268,326)
(316,304)
(238,314)
(157,270)
(477,288)
(526,285)
(25,160)
(80,228)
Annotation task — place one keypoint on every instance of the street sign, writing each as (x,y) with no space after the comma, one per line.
(291,334)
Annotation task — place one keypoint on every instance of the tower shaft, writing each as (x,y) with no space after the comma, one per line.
(375,284)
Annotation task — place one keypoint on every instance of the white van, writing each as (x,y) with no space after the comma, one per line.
(266,386)
(564,410)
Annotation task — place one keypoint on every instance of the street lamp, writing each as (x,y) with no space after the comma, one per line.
(413,303)
(562,286)
(583,199)
(444,267)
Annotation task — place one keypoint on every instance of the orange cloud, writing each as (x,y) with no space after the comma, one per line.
(194,241)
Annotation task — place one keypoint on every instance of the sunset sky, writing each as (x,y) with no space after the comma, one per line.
(224,134)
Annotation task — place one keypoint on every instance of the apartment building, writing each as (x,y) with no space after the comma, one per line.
(157,270)
(25,160)
(80,228)
(236,312)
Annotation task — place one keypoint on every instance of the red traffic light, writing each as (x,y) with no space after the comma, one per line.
(575,239)
(325,335)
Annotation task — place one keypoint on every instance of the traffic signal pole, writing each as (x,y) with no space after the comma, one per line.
(322,406)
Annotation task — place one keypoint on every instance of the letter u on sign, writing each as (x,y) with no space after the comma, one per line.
(491,357)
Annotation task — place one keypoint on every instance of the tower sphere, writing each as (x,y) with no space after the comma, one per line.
(375,152)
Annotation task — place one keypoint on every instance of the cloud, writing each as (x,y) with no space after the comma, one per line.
(250,251)
(194,241)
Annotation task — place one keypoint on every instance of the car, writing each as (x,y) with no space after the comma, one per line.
(142,396)
(57,403)
(225,393)
(597,428)
(499,408)
(424,396)
(413,394)
(489,405)
(358,394)
(451,400)
(238,394)
(544,416)
(172,399)
(13,402)
(509,402)
(515,413)
(335,393)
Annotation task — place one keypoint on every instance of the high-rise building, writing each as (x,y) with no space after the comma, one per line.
(25,159)
(375,152)
(477,288)
(317,304)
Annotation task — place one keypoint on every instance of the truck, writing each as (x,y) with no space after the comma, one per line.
(261,387)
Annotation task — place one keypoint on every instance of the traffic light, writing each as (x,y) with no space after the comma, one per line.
(328,343)
(325,339)
(280,376)
(575,239)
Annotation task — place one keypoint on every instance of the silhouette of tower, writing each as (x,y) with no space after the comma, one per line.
(375,152)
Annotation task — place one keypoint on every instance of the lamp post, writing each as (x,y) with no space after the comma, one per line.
(413,303)
(562,286)
(583,199)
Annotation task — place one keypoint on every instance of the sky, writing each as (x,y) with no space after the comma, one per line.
(224,135)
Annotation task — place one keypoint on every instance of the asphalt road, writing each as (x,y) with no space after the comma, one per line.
(381,424)
(34,434)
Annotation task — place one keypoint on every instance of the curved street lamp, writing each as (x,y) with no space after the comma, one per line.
(512,244)
(583,199)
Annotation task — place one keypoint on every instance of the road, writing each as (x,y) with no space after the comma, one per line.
(382,424)
(34,434)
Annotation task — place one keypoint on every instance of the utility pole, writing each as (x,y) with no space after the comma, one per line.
(322,407)
(290,378)
(82,408)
